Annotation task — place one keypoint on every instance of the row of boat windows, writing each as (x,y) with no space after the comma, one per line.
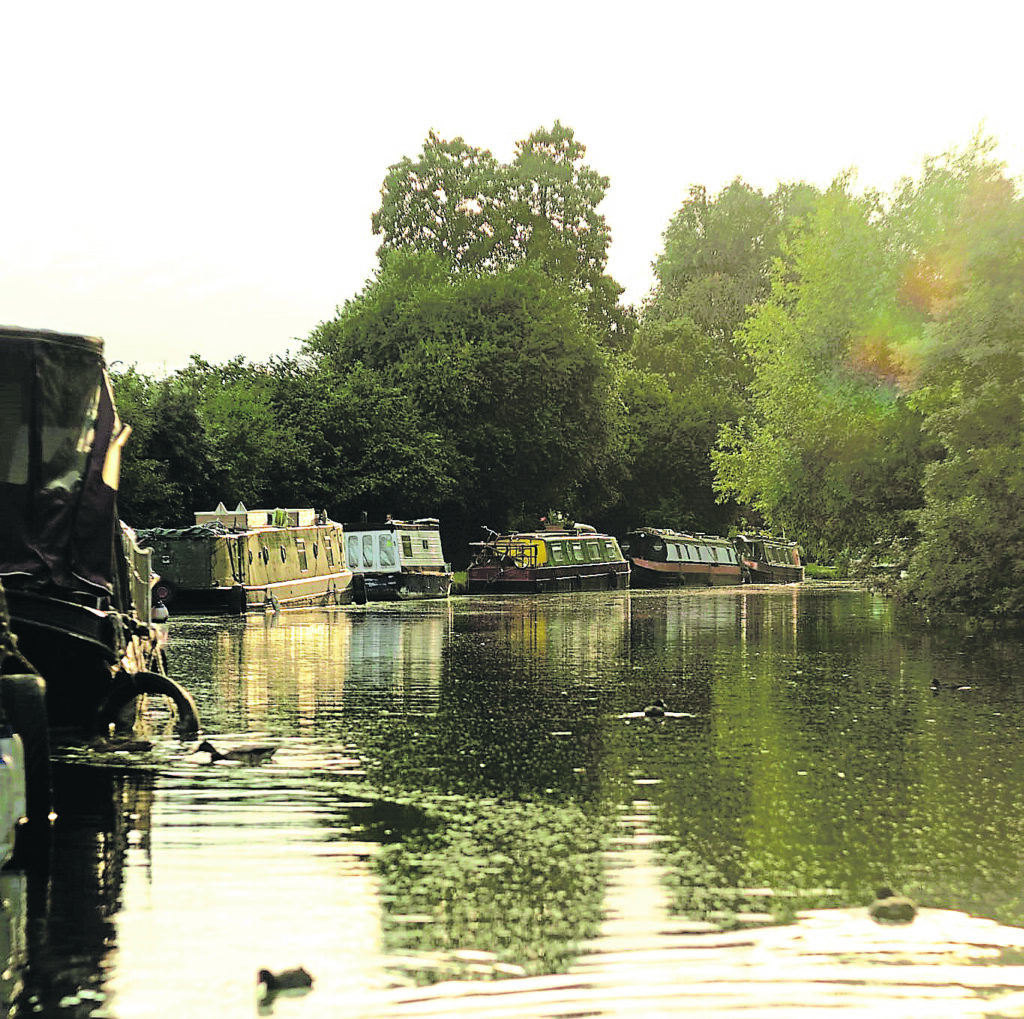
(775,554)
(368,551)
(300,552)
(365,551)
(686,552)
(589,550)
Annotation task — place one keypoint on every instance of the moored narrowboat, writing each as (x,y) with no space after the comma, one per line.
(662,557)
(77,584)
(398,560)
(245,560)
(768,560)
(579,559)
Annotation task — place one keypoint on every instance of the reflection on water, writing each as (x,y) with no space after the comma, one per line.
(464,789)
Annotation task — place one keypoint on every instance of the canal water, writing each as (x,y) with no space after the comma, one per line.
(461,789)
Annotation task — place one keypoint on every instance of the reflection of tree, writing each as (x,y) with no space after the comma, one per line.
(71,904)
(519,880)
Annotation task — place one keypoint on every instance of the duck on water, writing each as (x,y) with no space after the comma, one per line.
(658,709)
(891,908)
(250,753)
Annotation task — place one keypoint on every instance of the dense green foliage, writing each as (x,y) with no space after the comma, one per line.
(842,366)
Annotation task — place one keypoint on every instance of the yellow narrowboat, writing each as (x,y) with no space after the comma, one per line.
(577,559)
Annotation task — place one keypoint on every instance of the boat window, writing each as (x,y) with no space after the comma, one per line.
(707,554)
(671,551)
(353,551)
(407,546)
(284,554)
(557,550)
(329,551)
(367,550)
(316,550)
(593,551)
(577,552)
(386,550)
(691,553)
(300,551)
(265,554)
(610,551)
(250,557)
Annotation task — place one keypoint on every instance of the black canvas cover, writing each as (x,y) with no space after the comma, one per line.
(60,443)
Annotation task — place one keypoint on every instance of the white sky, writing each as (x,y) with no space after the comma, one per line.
(199,176)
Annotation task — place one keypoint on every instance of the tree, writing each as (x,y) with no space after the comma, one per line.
(482,215)
(453,200)
(714,267)
(831,450)
(503,371)
(167,471)
(967,279)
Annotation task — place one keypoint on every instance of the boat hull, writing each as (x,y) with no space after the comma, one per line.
(652,574)
(240,598)
(82,652)
(769,573)
(406,586)
(510,579)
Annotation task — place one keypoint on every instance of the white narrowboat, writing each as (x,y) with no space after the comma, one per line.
(398,560)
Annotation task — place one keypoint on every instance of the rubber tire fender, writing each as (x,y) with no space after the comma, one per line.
(128,686)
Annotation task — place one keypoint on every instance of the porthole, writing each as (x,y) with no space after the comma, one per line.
(284,554)
(316,550)
(265,554)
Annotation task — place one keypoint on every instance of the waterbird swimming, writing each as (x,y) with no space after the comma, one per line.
(287,980)
(656,709)
(250,753)
(936,686)
(889,907)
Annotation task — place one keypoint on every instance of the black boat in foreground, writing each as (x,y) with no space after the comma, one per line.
(77,584)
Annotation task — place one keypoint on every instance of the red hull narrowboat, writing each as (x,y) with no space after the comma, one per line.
(661,557)
(541,561)
(768,560)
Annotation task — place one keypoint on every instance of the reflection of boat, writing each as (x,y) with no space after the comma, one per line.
(233,561)
(556,560)
(399,560)
(768,560)
(660,557)
(77,584)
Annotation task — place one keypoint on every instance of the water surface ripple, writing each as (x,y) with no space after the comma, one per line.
(470,790)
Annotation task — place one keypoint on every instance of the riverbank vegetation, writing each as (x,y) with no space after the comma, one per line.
(841,365)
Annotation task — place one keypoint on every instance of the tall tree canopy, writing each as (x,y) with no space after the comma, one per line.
(831,449)
(694,374)
(511,399)
(482,215)
(966,280)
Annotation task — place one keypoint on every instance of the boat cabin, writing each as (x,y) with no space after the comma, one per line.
(551,560)
(399,560)
(769,560)
(662,557)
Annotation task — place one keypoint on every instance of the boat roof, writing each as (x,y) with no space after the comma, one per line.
(94,344)
(61,442)
(582,531)
(419,524)
(668,532)
(755,536)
